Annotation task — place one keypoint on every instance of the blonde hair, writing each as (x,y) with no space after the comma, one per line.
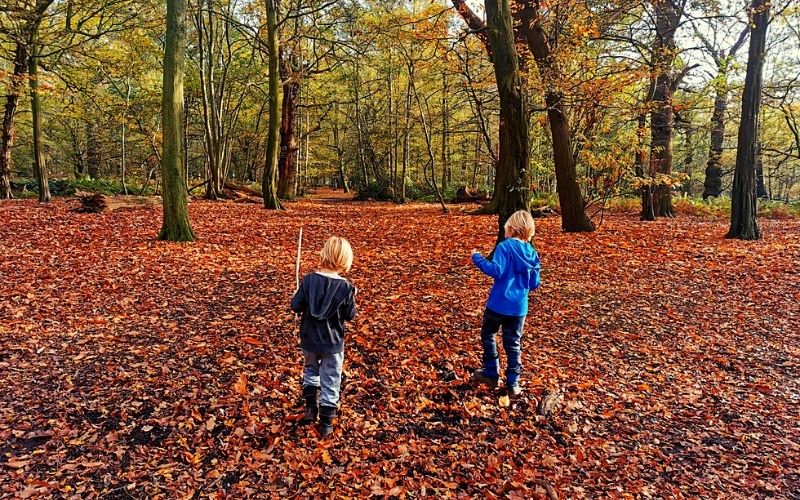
(520,225)
(336,254)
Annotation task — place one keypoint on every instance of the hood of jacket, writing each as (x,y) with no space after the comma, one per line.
(325,296)
(522,255)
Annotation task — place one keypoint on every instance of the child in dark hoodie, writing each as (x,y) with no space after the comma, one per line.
(325,301)
(515,268)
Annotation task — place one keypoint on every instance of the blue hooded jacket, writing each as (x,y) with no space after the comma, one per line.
(515,268)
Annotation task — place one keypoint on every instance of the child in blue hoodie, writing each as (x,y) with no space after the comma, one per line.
(325,301)
(515,268)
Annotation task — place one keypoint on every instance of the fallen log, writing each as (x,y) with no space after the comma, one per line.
(467,195)
(543,212)
(240,188)
(98,203)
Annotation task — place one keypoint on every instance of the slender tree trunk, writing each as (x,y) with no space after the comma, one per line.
(744,203)
(12,101)
(712,186)
(406,138)
(512,165)
(176,226)
(445,131)
(573,206)
(337,143)
(270,178)
(124,159)
(93,153)
(429,145)
(39,165)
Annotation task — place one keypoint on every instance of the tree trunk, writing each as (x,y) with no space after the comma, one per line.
(573,206)
(661,126)
(175,226)
(406,139)
(744,203)
(270,178)
(288,152)
(512,165)
(93,153)
(39,165)
(661,116)
(12,101)
(445,154)
(337,144)
(428,143)
(712,186)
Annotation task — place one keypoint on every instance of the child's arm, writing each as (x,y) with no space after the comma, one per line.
(494,267)
(299,302)
(349,311)
(536,274)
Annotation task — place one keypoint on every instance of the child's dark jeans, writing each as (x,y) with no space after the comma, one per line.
(512,327)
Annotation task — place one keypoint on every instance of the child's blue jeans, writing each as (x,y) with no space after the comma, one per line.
(324,370)
(512,327)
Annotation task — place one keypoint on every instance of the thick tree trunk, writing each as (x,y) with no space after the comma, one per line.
(661,127)
(12,101)
(661,116)
(270,178)
(288,154)
(744,203)
(514,142)
(39,165)
(712,186)
(176,226)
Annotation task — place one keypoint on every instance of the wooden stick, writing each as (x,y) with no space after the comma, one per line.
(297,265)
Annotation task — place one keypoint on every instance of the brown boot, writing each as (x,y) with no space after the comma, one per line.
(311,395)
(326,416)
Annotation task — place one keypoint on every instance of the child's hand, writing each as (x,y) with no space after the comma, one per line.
(474,252)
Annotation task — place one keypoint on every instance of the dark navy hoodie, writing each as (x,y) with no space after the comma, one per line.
(515,268)
(324,302)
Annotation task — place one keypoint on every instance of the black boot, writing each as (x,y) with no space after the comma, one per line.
(326,416)
(311,395)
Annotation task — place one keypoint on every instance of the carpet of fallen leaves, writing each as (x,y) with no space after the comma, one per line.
(134,368)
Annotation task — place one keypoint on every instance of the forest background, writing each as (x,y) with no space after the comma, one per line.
(396,100)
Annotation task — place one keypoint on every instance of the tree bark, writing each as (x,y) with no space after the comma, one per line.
(573,206)
(39,165)
(93,154)
(445,153)
(175,226)
(661,116)
(12,101)
(744,202)
(270,177)
(512,165)
(288,152)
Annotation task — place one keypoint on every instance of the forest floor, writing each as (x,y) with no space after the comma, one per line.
(132,368)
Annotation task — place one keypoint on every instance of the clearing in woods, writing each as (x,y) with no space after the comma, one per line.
(135,367)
